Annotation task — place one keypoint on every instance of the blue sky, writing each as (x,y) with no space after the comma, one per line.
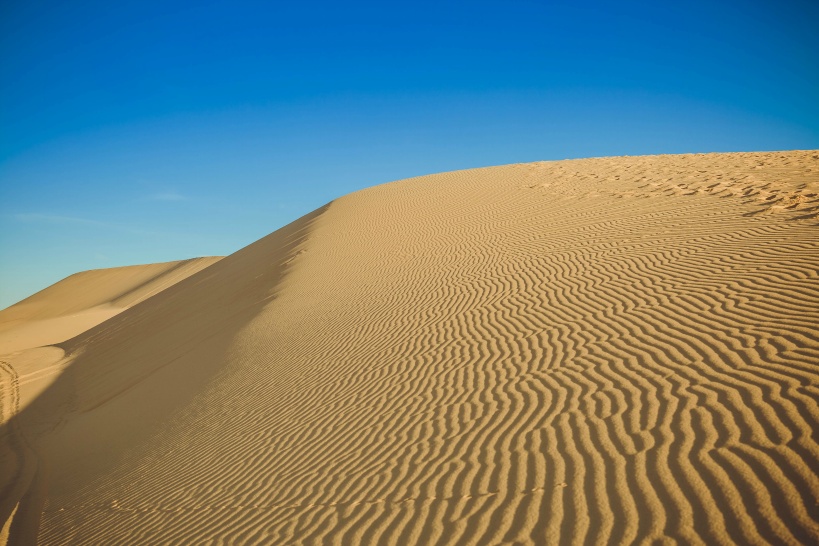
(136,132)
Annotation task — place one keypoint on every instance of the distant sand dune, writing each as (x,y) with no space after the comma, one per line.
(611,350)
(81,301)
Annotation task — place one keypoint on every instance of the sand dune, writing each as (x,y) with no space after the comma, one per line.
(611,350)
(81,301)
(31,330)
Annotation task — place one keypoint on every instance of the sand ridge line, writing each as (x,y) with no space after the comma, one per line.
(82,301)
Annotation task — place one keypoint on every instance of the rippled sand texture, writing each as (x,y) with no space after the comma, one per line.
(609,350)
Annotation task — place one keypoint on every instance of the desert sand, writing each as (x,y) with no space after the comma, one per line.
(610,351)
(31,330)
(83,300)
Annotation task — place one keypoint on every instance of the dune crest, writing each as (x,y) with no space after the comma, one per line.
(83,300)
(31,330)
(609,350)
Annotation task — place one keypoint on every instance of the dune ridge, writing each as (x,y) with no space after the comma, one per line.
(608,350)
(86,299)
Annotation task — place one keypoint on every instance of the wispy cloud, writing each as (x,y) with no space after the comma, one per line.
(167,196)
(56,219)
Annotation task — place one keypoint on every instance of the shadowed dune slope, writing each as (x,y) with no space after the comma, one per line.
(611,350)
(83,300)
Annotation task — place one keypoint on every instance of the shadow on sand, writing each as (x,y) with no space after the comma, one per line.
(127,375)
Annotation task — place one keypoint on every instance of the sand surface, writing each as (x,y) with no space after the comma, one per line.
(83,300)
(31,330)
(608,351)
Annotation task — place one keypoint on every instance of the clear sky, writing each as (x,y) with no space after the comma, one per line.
(142,131)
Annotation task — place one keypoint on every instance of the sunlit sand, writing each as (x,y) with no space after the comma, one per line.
(607,351)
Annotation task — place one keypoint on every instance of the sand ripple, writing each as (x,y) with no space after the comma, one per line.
(613,350)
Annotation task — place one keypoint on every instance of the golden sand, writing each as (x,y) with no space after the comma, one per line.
(610,351)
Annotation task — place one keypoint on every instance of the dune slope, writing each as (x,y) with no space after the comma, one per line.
(609,350)
(83,300)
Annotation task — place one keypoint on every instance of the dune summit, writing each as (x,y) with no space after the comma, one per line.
(611,350)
